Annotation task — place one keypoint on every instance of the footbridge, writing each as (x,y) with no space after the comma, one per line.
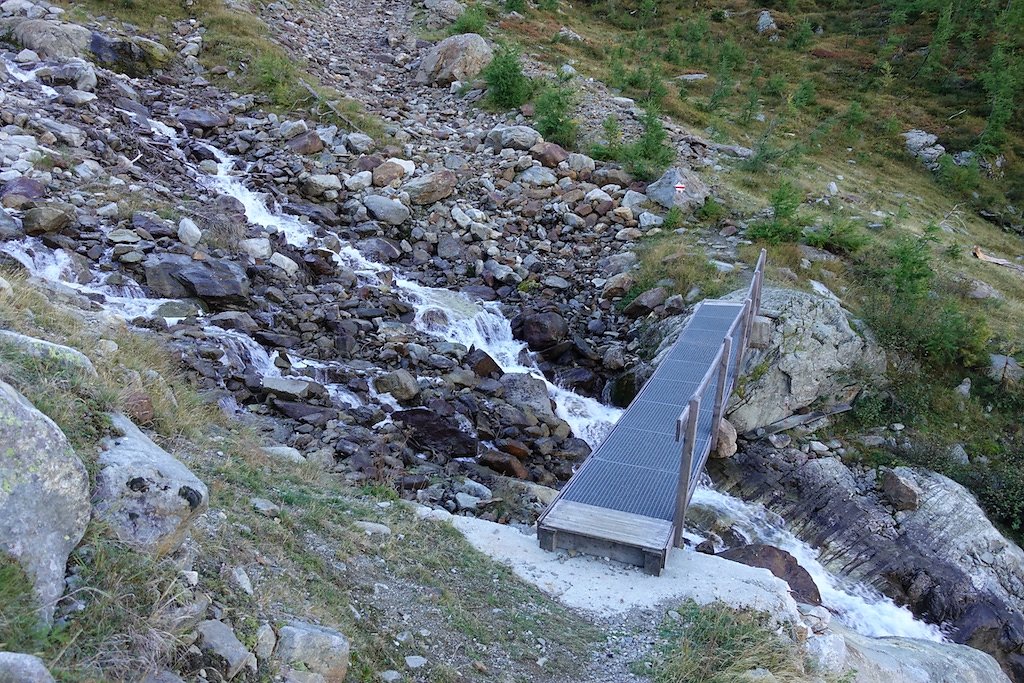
(628,499)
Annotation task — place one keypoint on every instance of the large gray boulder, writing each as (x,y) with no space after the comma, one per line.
(430,188)
(314,648)
(57,354)
(21,668)
(907,660)
(663,191)
(148,498)
(221,648)
(814,353)
(390,211)
(944,560)
(512,137)
(53,39)
(457,58)
(525,391)
(44,496)
(221,283)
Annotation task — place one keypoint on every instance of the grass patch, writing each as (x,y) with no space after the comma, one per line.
(472,20)
(507,86)
(716,644)
(674,262)
(647,157)
(20,628)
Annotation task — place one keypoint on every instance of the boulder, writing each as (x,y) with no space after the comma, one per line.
(1005,369)
(664,192)
(537,176)
(901,491)
(907,660)
(309,142)
(400,384)
(549,154)
(18,192)
(726,447)
(319,184)
(456,58)
(220,283)
(442,436)
(765,22)
(541,330)
(781,564)
(54,354)
(390,211)
(317,649)
(945,560)
(525,391)
(10,227)
(53,39)
(202,118)
(430,188)
(618,285)
(221,648)
(925,147)
(504,463)
(76,73)
(20,668)
(646,302)
(441,13)
(147,497)
(44,497)
(49,218)
(135,56)
(811,357)
(519,138)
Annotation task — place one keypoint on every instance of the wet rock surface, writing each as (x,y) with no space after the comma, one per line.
(944,559)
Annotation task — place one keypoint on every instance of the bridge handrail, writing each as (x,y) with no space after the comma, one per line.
(686,424)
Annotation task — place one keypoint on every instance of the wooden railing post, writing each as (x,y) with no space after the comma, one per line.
(720,395)
(690,414)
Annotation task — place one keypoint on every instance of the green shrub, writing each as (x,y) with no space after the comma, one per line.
(673,219)
(776,85)
(804,95)
(650,155)
(802,36)
(20,628)
(548,5)
(645,158)
(839,237)
(276,75)
(910,314)
(552,116)
(786,224)
(712,211)
(507,85)
(964,179)
(515,6)
(472,20)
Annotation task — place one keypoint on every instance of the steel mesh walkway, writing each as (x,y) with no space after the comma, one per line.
(628,499)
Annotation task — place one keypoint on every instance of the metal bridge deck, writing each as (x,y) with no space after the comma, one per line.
(624,501)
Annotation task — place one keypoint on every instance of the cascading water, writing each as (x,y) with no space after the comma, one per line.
(858,606)
(455,317)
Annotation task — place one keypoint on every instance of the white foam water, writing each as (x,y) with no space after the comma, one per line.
(257,211)
(856,605)
(453,316)
(23,75)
